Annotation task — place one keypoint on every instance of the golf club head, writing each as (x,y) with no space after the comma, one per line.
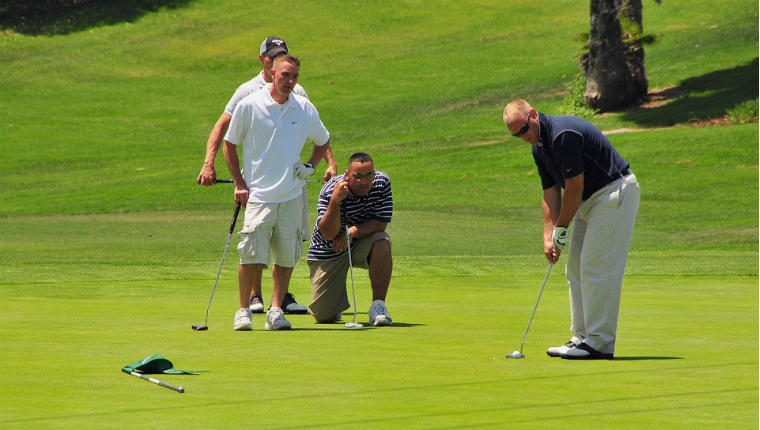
(200,327)
(515,355)
(354,325)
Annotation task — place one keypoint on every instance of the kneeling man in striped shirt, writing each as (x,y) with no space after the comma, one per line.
(361,199)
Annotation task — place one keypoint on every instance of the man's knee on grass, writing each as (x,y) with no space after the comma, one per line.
(381,248)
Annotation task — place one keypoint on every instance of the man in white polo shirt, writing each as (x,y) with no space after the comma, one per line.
(272,125)
(270,48)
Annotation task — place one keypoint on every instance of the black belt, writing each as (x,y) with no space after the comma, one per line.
(625,172)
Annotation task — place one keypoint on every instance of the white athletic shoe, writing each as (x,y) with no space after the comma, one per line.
(276,320)
(256,305)
(557,351)
(378,314)
(585,352)
(243,320)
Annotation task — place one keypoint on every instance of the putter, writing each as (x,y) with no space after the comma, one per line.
(204,327)
(155,381)
(353,323)
(519,354)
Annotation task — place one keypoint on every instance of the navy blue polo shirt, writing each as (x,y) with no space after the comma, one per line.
(569,146)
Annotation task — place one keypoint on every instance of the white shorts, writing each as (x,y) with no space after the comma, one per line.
(275,226)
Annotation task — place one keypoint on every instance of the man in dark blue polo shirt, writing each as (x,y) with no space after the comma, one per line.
(361,200)
(601,198)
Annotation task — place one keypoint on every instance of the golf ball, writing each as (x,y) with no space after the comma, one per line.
(516,354)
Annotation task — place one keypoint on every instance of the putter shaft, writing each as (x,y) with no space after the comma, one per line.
(535,307)
(351,269)
(226,246)
(156,381)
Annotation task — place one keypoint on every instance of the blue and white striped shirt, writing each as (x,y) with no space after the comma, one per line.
(377,204)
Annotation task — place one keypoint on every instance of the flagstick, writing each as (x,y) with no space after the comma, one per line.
(155,381)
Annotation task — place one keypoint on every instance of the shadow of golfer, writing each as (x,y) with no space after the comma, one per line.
(400,324)
(342,327)
(645,358)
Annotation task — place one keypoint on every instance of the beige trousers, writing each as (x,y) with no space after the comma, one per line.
(329,296)
(596,257)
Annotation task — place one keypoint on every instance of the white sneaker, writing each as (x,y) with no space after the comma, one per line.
(378,314)
(276,320)
(557,351)
(586,352)
(243,320)
(256,305)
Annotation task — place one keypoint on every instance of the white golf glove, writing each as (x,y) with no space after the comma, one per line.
(303,171)
(559,237)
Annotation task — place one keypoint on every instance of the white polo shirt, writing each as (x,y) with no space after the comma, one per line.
(273,136)
(251,87)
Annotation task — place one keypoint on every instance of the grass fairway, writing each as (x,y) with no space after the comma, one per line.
(110,250)
(440,366)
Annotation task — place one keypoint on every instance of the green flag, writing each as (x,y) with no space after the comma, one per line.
(155,364)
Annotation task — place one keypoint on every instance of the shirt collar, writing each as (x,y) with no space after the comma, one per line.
(269,101)
(260,79)
(541,129)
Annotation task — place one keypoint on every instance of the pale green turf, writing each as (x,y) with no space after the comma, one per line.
(110,250)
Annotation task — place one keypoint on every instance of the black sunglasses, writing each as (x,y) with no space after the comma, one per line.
(523,130)
(370,175)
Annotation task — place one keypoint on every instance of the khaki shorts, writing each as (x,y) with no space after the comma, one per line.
(275,226)
(329,297)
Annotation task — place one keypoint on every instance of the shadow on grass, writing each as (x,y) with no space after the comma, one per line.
(645,358)
(398,324)
(342,327)
(700,98)
(54,17)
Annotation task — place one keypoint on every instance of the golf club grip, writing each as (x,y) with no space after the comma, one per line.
(234,218)
(223,181)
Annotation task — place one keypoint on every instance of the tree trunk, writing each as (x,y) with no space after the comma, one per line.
(634,53)
(608,81)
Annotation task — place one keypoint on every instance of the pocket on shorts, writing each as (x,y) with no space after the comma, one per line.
(247,245)
(300,233)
